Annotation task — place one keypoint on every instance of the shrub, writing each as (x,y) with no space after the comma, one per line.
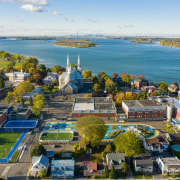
(173,175)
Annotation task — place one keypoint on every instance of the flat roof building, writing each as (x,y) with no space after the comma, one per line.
(139,110)
(103,107)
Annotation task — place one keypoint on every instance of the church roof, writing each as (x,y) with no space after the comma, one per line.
(70,76)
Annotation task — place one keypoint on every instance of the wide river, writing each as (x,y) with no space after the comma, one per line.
(155,62)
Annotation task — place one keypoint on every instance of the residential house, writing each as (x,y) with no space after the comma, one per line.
(39,162)
(173,88)
(115,159)
(89,168)
(18,76)
(35,92)
(62,168)
(149,89)
(156,144)
(143,164)
(168,164)
(140,83)
(50,78)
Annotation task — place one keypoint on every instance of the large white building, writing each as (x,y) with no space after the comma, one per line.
(71,80)
(17,76)
(168,164)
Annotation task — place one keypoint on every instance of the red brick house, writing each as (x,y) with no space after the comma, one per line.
(140,83)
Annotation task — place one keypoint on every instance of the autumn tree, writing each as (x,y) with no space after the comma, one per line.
(114,75)
(57,69)
(126,79)
(128,143)
(163,87)
(101,74)
(37,150)
(38,104)
(87,74)
(112,88)
(92,130)
(96,87)
(141,77)
(95,79)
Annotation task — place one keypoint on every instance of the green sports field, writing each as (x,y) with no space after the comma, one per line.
(7,141)
(56,136)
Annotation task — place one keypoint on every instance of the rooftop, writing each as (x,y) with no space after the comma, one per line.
(144,161)
(141,103)
(171,160)
(93,103)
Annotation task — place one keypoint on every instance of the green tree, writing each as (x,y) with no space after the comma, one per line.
(128,143)
(112,174)
(92,129)
(5,55)
(106,173)
(57,69)
(87,74)
(42,67)
(2,83)
(95,80)
(108,148)
(32,60)
(155,93)
(96,87)
(38,104)
(126,79)
(37,150)
(163,87)
(124,167)
(112,88)
(42,173)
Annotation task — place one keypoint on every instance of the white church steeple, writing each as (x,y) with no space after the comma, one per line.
(79,65)
(68,67)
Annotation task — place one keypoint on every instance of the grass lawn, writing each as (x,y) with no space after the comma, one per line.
(7,141)
(142,177)
(4,63)
(57,136)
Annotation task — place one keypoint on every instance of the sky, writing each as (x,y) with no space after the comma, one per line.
(97,17)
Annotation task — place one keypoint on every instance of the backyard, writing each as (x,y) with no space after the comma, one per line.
(7,141)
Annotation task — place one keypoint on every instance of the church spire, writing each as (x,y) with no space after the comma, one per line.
(68,64)
(79,65)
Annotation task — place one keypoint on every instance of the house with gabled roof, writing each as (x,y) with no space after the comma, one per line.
(115,159)
(39,162)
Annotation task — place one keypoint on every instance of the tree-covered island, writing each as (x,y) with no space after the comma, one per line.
(141,40)
(76,43)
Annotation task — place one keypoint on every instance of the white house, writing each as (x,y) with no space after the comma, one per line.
(143,164)
(156,144)
(39,162)
(18,76)
(168,164)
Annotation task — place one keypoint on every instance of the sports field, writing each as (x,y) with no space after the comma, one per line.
(57,136)
(7,142)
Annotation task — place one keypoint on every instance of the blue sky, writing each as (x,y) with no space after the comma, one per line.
(106,17)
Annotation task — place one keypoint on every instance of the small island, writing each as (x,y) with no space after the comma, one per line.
(76,43)
(141,40)
(171,42)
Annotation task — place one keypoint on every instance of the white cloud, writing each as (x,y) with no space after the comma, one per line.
(32,8)
(57,13)
(128,26)
(69,19)
(93,20)
(40,2)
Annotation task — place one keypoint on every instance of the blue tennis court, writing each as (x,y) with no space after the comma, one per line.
(60,126)
(25,124)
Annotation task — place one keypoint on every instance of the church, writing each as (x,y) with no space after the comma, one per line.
(71,81)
